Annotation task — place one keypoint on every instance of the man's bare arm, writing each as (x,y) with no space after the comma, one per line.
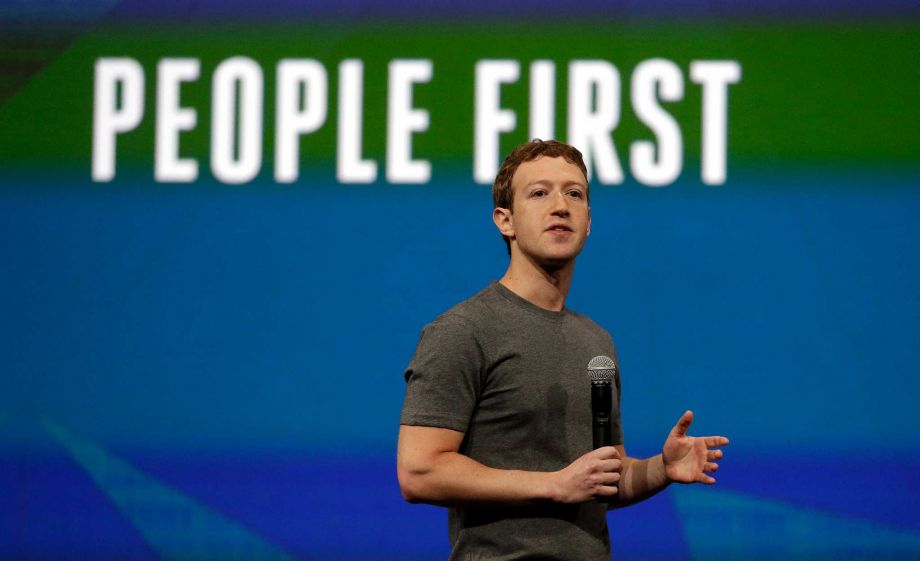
(432,470)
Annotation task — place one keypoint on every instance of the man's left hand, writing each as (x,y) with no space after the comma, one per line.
(689,459)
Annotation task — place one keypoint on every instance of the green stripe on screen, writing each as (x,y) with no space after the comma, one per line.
(809,93)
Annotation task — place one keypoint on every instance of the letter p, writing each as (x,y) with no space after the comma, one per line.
(114,113)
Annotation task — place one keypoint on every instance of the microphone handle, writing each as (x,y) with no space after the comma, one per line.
(602,435)
(601,405)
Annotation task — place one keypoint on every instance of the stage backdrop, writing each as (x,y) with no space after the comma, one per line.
(224,224)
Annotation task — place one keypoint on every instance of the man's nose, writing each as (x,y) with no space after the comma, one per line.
(560,204)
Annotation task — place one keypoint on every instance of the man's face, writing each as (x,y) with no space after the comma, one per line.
(551,217)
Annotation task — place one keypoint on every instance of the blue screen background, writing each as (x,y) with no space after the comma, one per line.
(215,372)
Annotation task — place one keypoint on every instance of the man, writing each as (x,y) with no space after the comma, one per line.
(496,422)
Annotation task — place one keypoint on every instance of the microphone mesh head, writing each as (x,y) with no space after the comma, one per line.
(602,368)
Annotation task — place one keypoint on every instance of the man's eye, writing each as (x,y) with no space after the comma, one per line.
(539,193)
(576,194)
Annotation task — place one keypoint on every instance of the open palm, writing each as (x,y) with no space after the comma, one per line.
(689,459)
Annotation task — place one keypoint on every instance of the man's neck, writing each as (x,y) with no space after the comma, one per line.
(541,286)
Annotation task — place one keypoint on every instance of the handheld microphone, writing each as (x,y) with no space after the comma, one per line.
(602,370)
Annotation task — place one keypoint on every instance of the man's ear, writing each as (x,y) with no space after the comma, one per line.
(504,221)
(589,222)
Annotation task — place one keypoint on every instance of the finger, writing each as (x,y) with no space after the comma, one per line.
(684,423)
(606,490)
(608,478)
(710,467)
(610,466)
(713,454)
(705,479)
(712,441)
(606,453)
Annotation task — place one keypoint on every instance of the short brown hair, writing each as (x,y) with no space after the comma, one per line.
(503,195)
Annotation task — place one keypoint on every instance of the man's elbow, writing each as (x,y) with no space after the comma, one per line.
(406,485)
(411,484)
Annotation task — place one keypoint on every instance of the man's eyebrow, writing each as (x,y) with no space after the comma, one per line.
(547,182)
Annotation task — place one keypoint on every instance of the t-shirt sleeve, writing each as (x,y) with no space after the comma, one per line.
(443,377)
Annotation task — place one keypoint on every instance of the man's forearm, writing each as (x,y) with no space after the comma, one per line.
(432,470)
(452,479)
(640,480)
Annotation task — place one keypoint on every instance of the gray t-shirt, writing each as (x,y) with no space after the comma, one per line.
(513,377)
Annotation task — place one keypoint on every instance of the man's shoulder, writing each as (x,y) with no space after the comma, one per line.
(584,320)
(588,324)
(476,312)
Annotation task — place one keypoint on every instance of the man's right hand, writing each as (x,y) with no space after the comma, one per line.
(596,474)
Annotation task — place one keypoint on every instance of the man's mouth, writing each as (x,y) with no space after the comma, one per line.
(559,228)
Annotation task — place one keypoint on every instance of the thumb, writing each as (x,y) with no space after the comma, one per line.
(680,429)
